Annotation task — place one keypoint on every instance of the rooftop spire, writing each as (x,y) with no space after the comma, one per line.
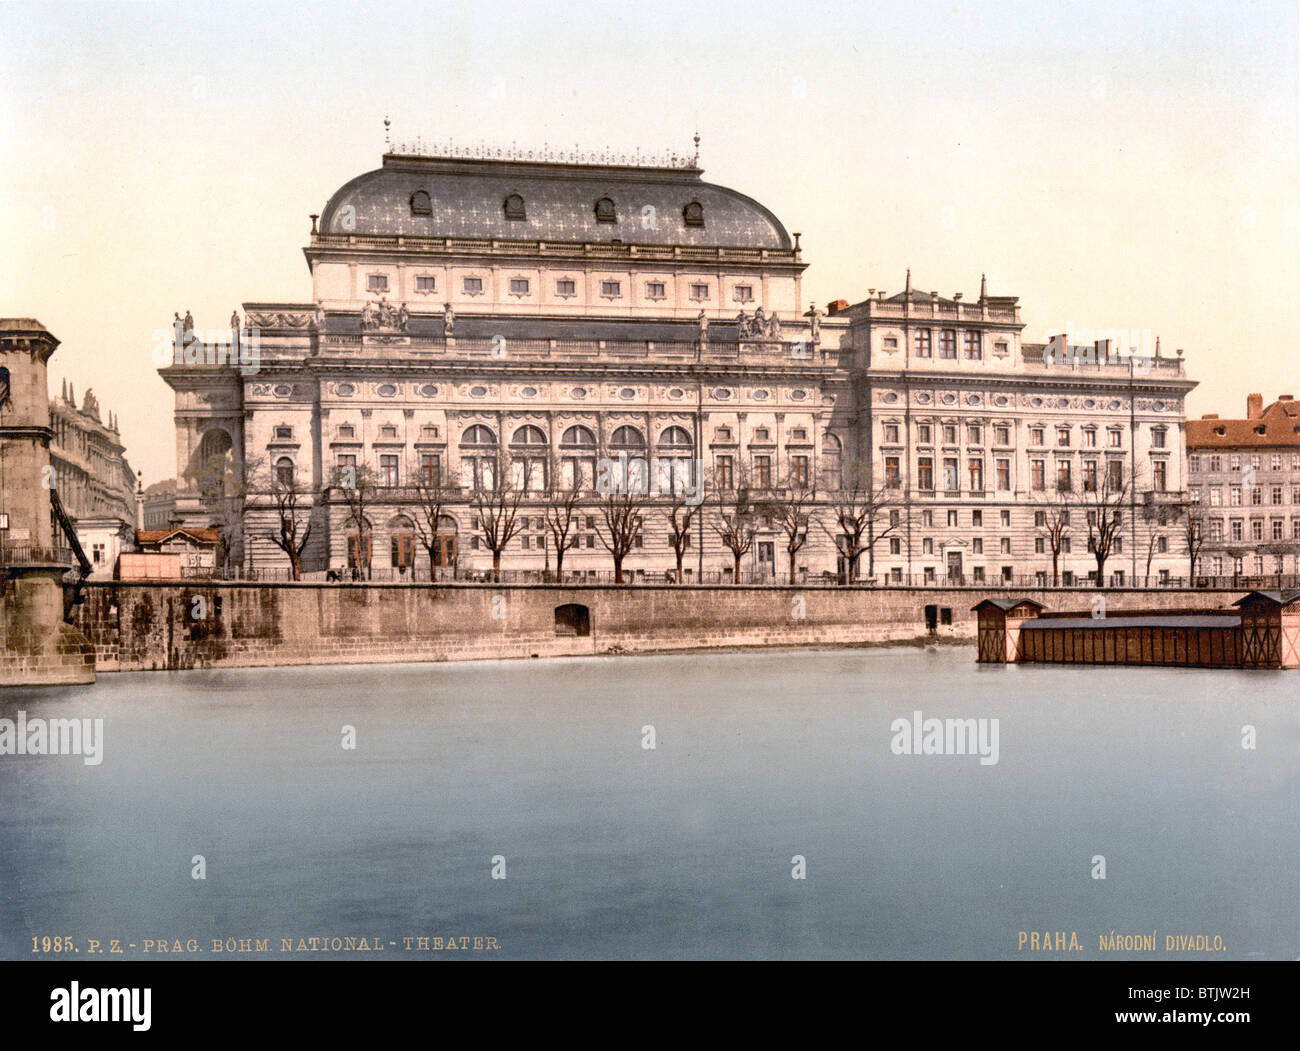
(696,160)
(907,289)
(387,124)
(984,287)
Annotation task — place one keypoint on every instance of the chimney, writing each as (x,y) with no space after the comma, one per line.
(1210,416)
(1286,397)
(1254,406)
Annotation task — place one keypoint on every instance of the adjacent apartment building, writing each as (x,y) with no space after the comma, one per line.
(1245,477)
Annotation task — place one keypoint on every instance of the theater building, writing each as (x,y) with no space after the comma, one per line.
(481,322)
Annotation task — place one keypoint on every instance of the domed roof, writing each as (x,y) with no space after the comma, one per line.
(558,202)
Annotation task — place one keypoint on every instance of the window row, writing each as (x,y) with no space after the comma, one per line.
(1237,529)
(515,209)
(700,292)
(1236,461)
(1246,495)
(974,435)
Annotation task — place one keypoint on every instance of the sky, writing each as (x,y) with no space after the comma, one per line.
(1115,165)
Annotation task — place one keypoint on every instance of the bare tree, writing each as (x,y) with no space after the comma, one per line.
(1104,504)
(293,511)
(497,512)
(431,500)
(792,510)
(1055,528)
(680,516)
(562,505)
(621,517)
(862,514)
(735,519)
(1192,527)
(355,485)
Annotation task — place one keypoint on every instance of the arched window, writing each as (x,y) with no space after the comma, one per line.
(605,212)
(421,204)
(478,435)
(677,438)
(832,478)
(627,438)
(528,435)
(578,437)
(693,214)
(284,472)
(514,207)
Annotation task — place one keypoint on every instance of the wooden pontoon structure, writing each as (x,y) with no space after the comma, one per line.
(1260,630)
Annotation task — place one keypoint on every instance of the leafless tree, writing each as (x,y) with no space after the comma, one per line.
(1192,527)
(293,519)
(354,485)
(620,525)
(861,515)
(562,506)
(1054,508)
(735,517)
(681,516)
(431,500)
(1103,505)
(792,509)
(497,512)
(225,486)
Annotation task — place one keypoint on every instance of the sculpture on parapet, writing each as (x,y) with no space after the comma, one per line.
(448,320)
(760,326)
(703,320)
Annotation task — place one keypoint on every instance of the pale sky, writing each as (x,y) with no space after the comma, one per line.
(1125,165)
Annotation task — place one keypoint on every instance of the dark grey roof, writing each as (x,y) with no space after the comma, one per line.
(1008,604)
(467,199)
(1282,598)
(1207,620)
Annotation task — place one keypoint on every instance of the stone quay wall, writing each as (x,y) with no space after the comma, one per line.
(180,625)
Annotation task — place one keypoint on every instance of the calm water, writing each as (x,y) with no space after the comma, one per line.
(615,851)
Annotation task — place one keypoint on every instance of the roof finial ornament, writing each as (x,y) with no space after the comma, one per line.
(696,159)
(984,287)
(907,290)
(387,124)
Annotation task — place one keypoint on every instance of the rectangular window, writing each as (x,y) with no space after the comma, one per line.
(977,518)
(1063,437)
(388,469)
(973,349)
(1040,545)
(473,286)
(1006,545)
(893,478)
(1216,463)
(1277,529)
(891,433)
(1216,528)
(1157,437)
(950,482)
(1002,435)
(977,546)
(925,473)
(519,286)
(431,469)
(1158,475)
(948,343)
(976,468)
(895,546)
(923,433)
(1115,475)
(1256,495)
(949,434)
(1038,474)
(656,290)
(974,434)
(423,283)
(952,519)
(377,282)
(724,472)
(699,292)
(1116,437)
(1234,496)
(1256,530)
(612,289)
(566,287)
(1063,476)
(927,517)
(1275,495)
(1089,476)
(1235,529)
(1037,436)
(799,467)
(927,546)
(921,343)
(763,472)
(1004,517)
(1004,475)
(742,293)
(1216,496)
(1090,437)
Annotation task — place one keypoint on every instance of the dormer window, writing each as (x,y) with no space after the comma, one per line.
(693,214)
(605,212)
(421,204)
(514,206)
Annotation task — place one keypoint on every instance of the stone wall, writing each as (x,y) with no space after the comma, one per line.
(154,626)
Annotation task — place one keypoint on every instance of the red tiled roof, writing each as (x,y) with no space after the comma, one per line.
(1279,424)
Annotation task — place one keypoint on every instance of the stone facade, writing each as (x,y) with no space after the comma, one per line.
(480,319)
(1245,477)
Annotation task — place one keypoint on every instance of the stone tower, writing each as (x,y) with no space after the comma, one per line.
(36,645)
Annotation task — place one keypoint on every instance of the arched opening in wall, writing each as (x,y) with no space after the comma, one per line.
(359,549)
(832,478)
(444,544)
(401,540)
(213,468)
(572,619)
